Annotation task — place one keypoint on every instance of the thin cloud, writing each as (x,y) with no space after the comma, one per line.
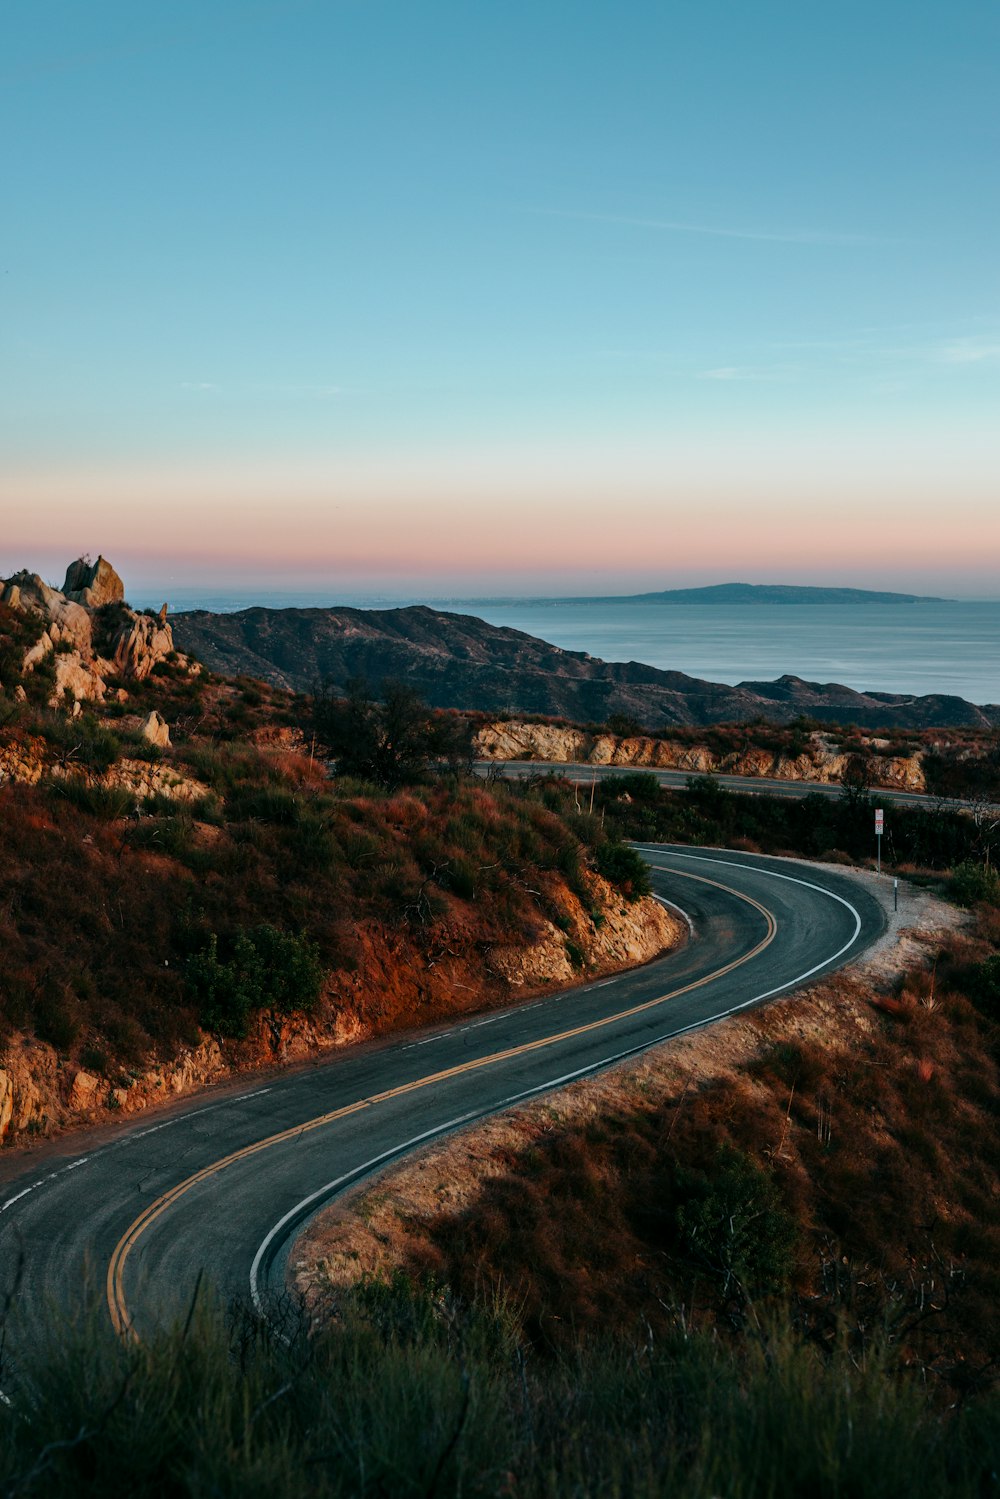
(735,372)
(310,392)
(198,385)
(681,226)
(969,351)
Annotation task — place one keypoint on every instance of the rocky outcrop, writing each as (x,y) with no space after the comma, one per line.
(22,760)
(820,763)
(141,779)
(39,1093)
(93,584)
(26,762)
(66,622)
(90,630)
(76,682)
(628,934)
(29,1089)
(141,642)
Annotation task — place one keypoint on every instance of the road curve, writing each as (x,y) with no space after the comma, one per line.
(222,1185)
(677,780)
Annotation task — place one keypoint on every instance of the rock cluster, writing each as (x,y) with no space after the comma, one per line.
(821,763)
(90,632)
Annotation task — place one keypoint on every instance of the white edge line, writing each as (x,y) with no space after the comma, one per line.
(675,907)
(129,1139)
(361,1171)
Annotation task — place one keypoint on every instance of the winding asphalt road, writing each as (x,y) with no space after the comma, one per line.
(222,1185)
(677,780)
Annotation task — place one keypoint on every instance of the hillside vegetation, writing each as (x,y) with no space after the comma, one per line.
(185,886)
(830,1161)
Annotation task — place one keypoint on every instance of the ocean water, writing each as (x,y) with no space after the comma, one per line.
(907,648)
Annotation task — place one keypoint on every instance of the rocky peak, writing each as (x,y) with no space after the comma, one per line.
(98,635)
(93,584)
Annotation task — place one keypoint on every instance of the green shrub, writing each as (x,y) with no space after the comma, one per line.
(731,1221)
(274,804)
(639,786)
(623,867)
(56,1017)
(575,953)
(106,802)
(413,1393)
(623,725)
(81,741)
(972,883)
(981,982)
(263,967)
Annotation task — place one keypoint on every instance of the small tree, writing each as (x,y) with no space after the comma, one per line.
(857,781)
(391,741)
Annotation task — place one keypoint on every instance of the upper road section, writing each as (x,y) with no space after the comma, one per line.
(677,780)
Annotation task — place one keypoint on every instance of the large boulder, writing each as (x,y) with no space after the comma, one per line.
(66,620)
(93,583)
(77,681)
(156,730)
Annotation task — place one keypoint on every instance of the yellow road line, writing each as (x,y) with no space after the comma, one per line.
(116,1266)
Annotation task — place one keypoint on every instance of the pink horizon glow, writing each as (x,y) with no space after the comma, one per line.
(546,522)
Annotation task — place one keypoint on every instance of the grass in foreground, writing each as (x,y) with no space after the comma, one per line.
(412,1393)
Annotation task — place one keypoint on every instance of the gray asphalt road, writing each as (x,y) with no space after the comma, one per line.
(223,1184)
(677,780)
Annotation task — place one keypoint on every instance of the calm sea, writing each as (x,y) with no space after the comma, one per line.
(908,648)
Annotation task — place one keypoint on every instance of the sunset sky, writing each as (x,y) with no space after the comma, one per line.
(475,297)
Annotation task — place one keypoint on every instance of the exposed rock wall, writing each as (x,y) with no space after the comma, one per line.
(820,763)
(395,985)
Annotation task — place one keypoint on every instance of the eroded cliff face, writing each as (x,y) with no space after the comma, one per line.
(821,763)
(395,985)
(90,634)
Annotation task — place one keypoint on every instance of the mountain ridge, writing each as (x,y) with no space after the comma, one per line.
(460,661)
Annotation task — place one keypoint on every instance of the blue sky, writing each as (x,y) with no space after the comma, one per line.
(503,296)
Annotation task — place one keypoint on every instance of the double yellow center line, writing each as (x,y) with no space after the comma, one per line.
(116,1268)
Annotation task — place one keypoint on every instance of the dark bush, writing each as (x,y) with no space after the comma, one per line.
(623,725)
(730,1220)
(390,742)
(622,867)
(261,968)
(981,982)
(972,883)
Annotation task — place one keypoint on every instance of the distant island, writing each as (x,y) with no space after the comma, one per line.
(758,593)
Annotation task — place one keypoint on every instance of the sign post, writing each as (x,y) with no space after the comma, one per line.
(879,825)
